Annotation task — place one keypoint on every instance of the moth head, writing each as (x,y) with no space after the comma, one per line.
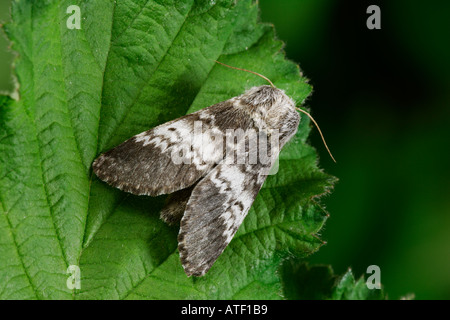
(271,105)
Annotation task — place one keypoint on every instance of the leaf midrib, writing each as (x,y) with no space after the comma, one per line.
(51,212)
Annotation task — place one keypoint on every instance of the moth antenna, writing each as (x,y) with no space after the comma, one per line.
(318,128)
(255,73)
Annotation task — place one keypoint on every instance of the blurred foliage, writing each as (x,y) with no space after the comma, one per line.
(318,282)
(382,100)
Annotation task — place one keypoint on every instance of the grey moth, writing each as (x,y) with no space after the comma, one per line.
(210,164)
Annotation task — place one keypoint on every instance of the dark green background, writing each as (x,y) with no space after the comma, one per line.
(382,99)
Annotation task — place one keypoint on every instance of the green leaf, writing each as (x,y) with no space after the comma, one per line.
(318,282)
(348,288)
(134,65)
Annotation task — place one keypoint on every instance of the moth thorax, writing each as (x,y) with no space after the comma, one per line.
(270,107)
(261,96)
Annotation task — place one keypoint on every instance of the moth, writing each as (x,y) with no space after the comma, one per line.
(211,188)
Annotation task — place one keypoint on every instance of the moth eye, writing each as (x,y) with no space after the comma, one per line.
(171,129)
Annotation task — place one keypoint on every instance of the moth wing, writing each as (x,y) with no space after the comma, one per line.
(216,208)
(151,163)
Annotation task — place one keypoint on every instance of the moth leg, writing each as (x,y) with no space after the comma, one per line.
(175,205)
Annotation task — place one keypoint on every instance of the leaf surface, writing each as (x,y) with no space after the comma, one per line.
(134,65)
